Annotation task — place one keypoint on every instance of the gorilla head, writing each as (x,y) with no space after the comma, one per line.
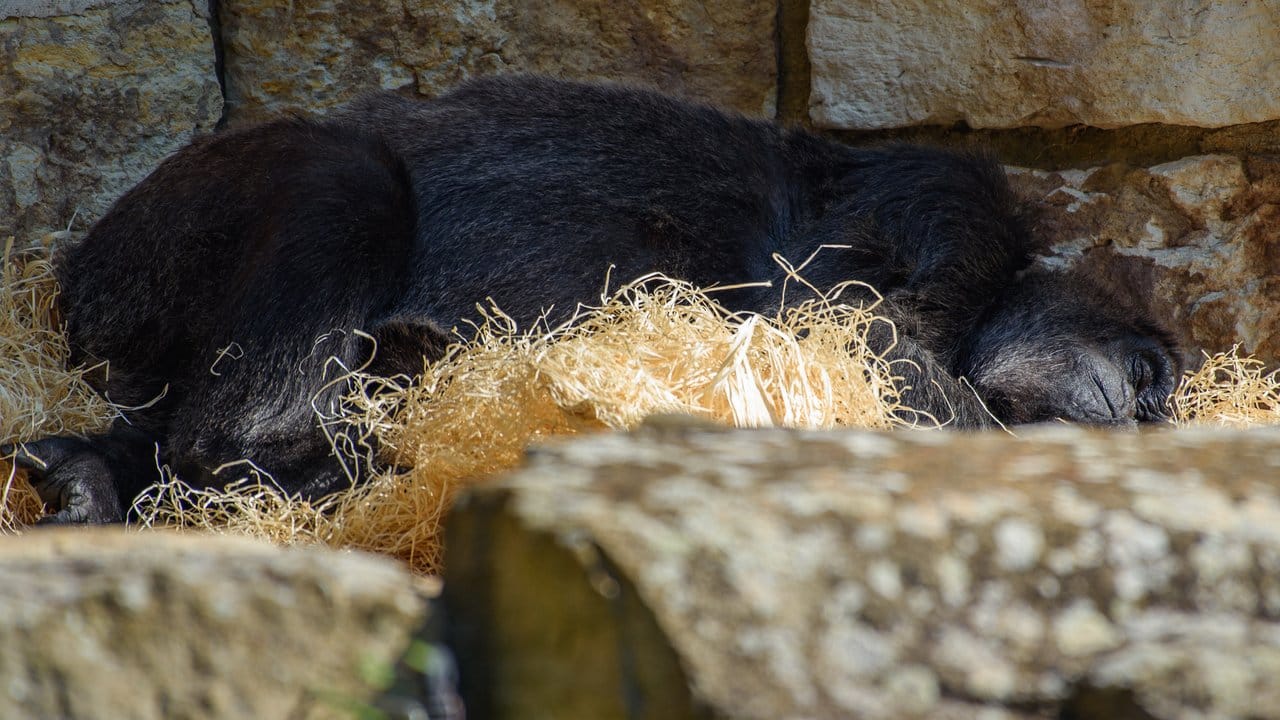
(1062,345)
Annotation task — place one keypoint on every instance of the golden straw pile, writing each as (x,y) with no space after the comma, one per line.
(1229,390)
(656,345)
(38,394)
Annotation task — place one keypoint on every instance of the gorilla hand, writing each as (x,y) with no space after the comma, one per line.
(71,475)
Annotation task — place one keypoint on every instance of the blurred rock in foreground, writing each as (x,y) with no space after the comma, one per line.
(685,572)
(113,624)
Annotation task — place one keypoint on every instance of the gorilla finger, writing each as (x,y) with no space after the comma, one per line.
(22,456)
(54,468)
(56,489)
(42,455)
(39,474)
(80,502)
(70,515)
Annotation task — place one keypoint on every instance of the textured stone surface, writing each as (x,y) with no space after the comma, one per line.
(109,624)
(913,575)
(315,55)
(1208,227)
(48,8)
(92,98)
(992,63)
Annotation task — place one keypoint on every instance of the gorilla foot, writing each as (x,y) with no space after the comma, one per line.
(71,475)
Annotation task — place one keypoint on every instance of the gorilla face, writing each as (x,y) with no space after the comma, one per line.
(1057,347)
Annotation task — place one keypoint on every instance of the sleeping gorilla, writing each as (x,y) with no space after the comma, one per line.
(208,284)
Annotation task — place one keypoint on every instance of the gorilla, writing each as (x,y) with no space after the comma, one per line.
(212,290)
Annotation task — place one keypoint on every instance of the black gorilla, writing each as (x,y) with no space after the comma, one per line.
(208,285)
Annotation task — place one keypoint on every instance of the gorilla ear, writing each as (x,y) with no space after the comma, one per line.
(405,344)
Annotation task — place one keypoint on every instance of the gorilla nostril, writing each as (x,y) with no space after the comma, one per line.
(1114,398)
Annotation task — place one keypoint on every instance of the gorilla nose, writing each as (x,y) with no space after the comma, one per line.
(1108,399)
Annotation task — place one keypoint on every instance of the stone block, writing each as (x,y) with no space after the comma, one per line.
(998,64)
(313,56)
(93,95)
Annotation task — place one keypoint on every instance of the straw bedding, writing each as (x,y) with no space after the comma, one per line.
(655,345)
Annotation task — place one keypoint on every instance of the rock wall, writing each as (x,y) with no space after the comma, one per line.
(692,573)
(995,63)
(317,54)
(1207,228)
(93,93)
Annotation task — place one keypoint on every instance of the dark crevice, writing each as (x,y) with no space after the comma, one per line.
(1083,702)
(219,58)
(1080,146)
(1099,703)
(793,61)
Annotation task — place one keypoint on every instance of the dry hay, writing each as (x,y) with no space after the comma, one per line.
(1228,390)
(656,345)
(38,394)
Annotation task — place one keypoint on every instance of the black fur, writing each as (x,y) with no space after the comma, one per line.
(209,283)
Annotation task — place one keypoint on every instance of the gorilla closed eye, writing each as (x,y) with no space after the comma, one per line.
(1142,371)
(1153,374)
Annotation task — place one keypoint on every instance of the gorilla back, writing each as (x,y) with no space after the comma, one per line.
(208,285)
